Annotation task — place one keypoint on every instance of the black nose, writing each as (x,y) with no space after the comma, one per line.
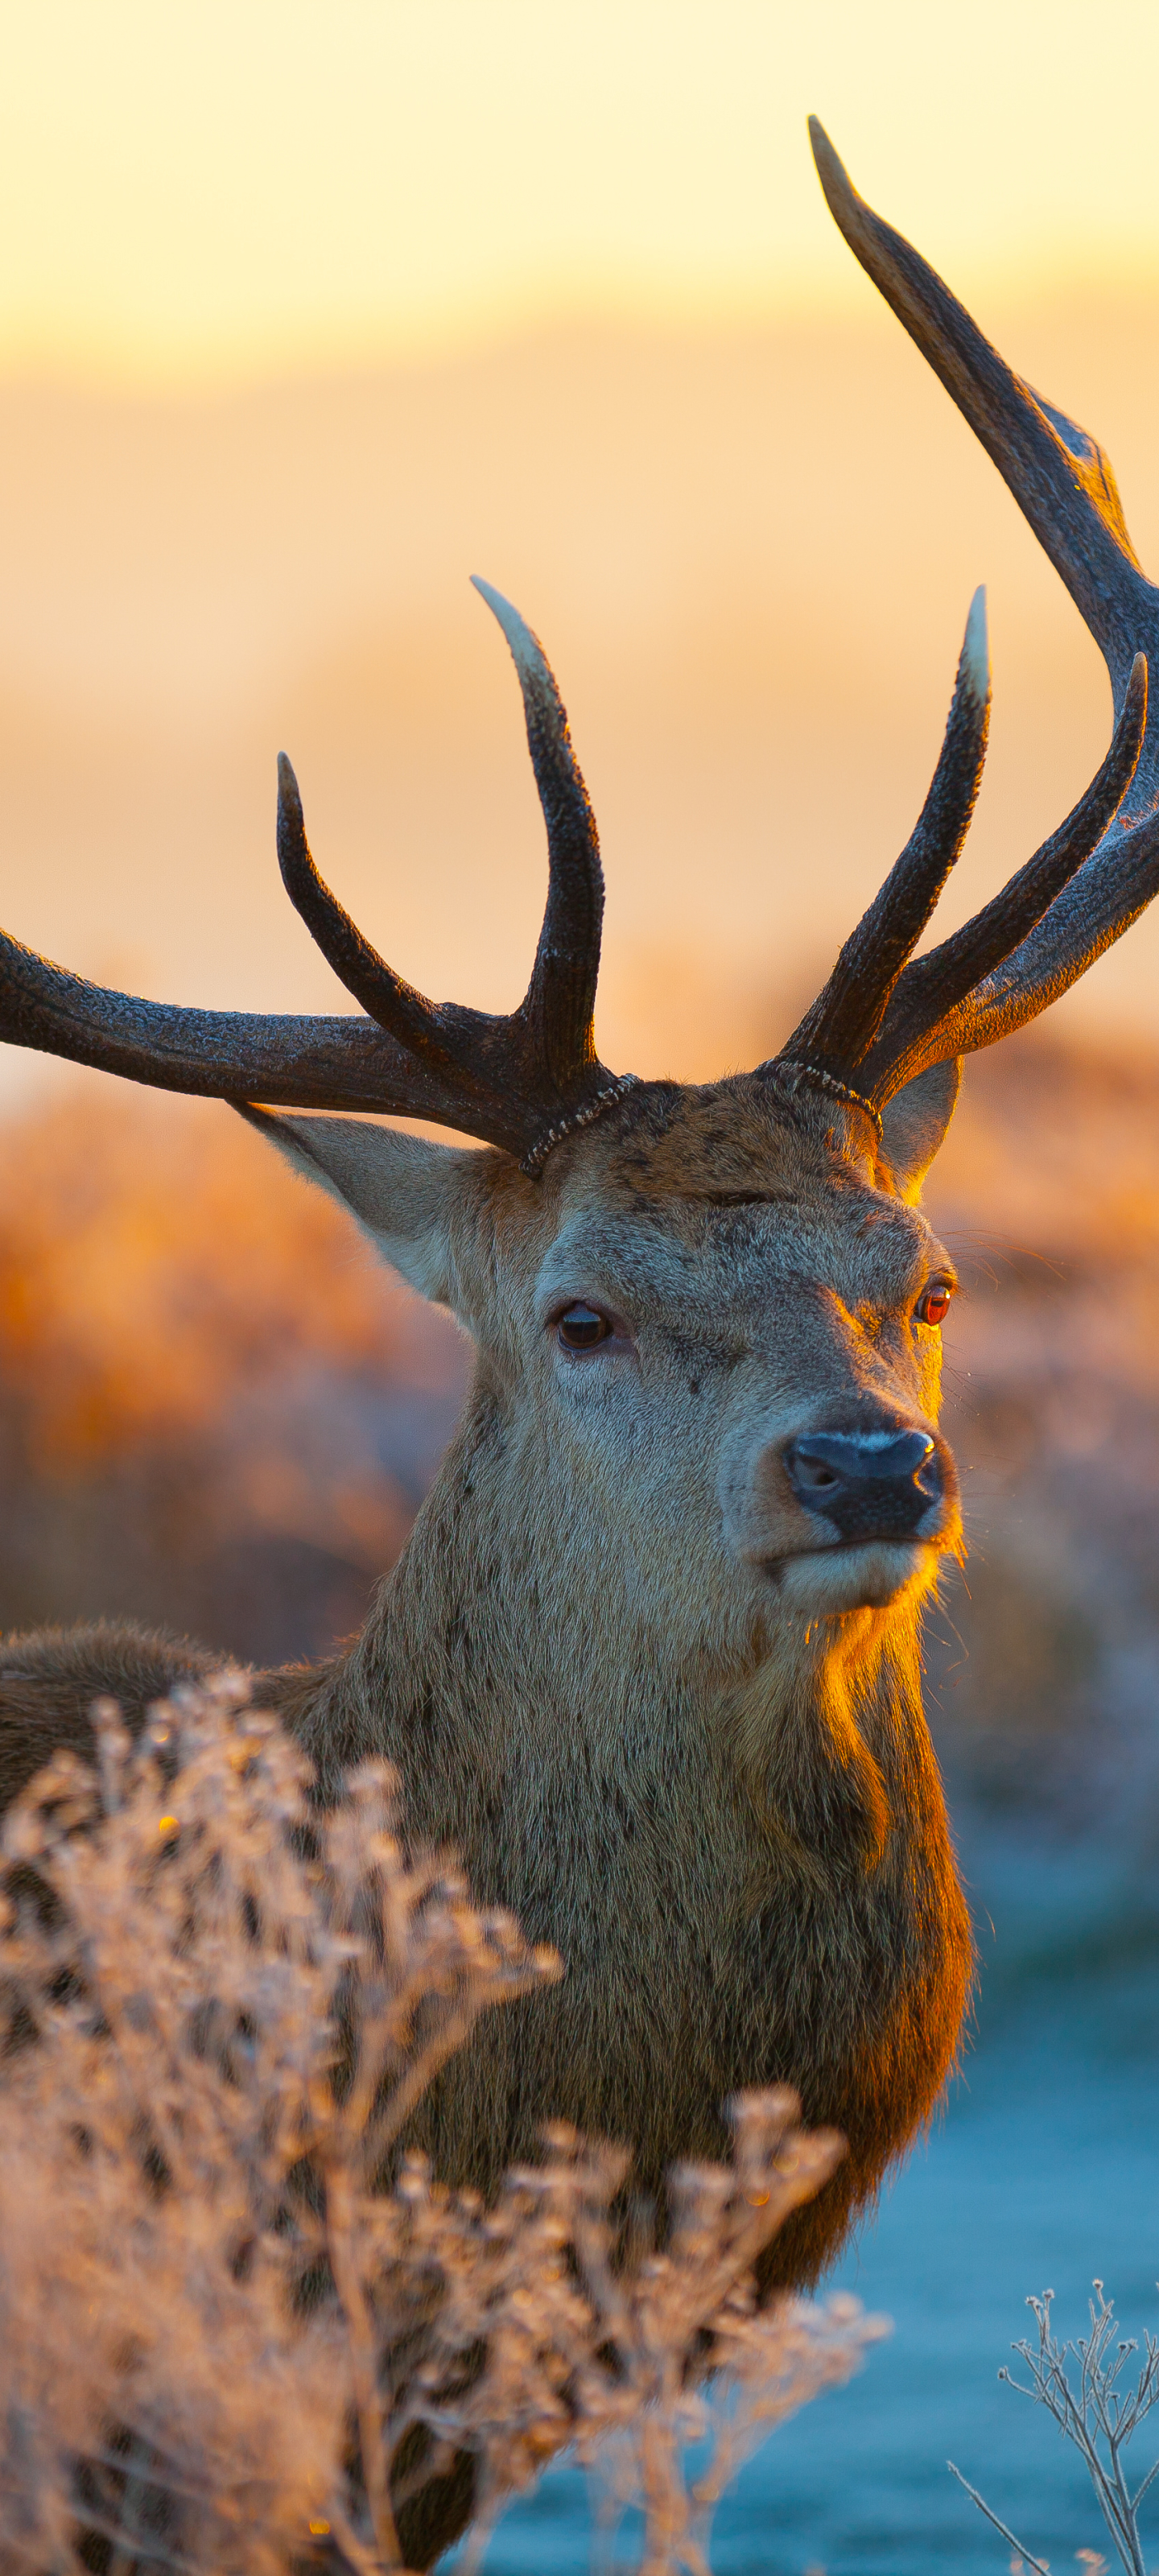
(867,1484)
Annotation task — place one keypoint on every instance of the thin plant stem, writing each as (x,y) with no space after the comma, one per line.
(364,2361)
(1098,2411)
(1036,2563)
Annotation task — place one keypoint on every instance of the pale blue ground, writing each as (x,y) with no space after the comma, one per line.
(1043,2174)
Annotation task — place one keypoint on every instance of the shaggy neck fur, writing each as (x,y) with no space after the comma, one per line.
(740,1849)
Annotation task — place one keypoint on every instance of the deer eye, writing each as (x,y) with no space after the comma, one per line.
(933,1305)
(580,1327)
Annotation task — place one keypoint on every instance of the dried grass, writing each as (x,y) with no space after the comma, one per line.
(233,2309)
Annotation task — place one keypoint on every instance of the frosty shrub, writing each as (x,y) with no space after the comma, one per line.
(1098,2413)
(239,2324)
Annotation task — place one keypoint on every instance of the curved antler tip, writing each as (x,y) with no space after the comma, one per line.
(831,170)
(526,650)
(975,664)
(515,627)
(500,606)
(291,833)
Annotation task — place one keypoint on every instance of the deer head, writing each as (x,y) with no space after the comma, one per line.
(708,1317)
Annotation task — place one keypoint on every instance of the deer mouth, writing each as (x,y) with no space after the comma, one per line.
(876,1510)
(854,1574)
(849,1515)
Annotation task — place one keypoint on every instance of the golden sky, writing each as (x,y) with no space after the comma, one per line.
(208,190)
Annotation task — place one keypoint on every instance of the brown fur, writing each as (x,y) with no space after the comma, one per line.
(670,1725)
(49,1680)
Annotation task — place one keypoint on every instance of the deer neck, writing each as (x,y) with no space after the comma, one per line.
(741,1843)
(507,1657)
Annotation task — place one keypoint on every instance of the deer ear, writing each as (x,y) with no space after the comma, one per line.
(403,1189)
(914,1123)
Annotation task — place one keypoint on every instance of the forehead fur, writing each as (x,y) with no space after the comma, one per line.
(674,1152)
(725,1142)
(702,1191)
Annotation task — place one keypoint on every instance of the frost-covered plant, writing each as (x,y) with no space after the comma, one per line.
(1097,2414)
(239,2325)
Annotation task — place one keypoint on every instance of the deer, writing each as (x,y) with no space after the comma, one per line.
(650,1660)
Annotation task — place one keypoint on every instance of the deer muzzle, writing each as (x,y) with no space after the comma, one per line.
(881,1484)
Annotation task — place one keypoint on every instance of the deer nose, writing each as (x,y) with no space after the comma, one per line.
(867,1484)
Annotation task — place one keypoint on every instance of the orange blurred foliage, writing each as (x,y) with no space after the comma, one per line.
(218,1410)
(157,1262)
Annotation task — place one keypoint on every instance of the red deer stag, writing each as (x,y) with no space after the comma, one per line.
(650,1659)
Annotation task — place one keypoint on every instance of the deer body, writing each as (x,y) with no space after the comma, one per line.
(601,1668)
(650,1660)
(661,1708)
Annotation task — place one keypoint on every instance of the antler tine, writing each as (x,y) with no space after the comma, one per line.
(395,1005)
(1094,910)
(521,1081)
(1058,475)
(842,1023)
(1093,876)
(926,998)
(293,1061)
(463,1049)
(560,998)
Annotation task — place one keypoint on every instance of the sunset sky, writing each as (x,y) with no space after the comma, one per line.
(195,189)
(307,312)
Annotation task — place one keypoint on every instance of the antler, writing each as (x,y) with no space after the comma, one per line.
(525,1080)
(880,1020)
(520,1080)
